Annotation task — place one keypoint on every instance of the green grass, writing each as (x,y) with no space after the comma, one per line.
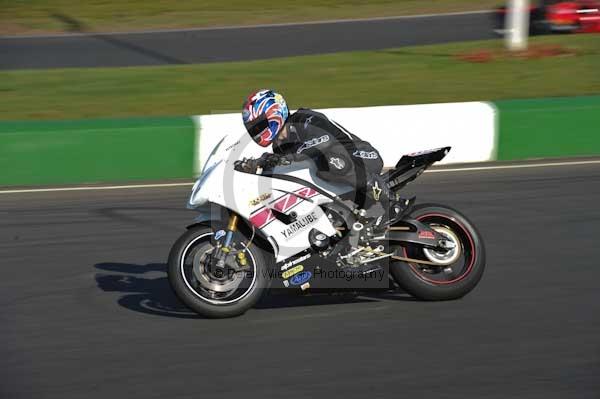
(38,16)
(412,75)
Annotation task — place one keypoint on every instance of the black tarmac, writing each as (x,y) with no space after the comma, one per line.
(238,44)
(86,310)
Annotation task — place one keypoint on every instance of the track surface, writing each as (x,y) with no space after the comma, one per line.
(86,311)
(237,44)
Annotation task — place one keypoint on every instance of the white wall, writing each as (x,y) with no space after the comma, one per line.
(469,128)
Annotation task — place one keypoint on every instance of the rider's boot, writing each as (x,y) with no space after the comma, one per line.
(384,207)
(376,200)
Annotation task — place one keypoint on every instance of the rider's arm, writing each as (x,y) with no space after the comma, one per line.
(324,147)
(346,146)
(266,160)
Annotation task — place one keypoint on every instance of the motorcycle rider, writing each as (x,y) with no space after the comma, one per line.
(339,155)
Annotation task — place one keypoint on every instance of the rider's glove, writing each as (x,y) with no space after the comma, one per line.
(284,160)
(269,160)
(247,165)
(266,161)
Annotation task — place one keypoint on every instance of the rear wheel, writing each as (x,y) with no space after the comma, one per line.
(456,271)
(216,291)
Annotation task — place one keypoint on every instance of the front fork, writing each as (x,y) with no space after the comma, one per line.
(224,250)
(231,228)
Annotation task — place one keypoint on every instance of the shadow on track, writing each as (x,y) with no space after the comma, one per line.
(146,289)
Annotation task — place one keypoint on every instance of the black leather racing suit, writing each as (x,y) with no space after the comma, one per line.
(340,155)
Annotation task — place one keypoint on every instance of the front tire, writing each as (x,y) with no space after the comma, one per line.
(193,286)
(445,281)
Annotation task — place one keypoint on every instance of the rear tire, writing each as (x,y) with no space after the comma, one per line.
(192,294)
(432,283)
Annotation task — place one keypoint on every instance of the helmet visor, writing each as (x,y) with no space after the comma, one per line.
(257,127)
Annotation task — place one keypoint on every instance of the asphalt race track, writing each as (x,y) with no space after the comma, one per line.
(237,44)
(86,310)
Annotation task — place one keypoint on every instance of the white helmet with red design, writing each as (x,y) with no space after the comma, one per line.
(264,114)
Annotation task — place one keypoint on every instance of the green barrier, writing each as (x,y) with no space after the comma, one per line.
(119,150)
(91,151)
(548,128)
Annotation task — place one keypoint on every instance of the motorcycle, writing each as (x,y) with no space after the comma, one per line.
(285,228)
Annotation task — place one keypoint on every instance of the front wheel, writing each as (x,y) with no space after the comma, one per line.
(450,274)
(210,289)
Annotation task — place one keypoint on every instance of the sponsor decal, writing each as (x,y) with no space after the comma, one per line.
(307,122)
(416,154)
(219,234)
(300,278)
(295,227)
(305,286)
(231,146)
(286,283)
(337,163)
(292,271)
(365,154)
(264,216)
(261,198)
(313,143)
(426,235)
(295,262)
(376,191)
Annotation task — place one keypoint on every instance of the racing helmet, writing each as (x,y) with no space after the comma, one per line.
(264,114)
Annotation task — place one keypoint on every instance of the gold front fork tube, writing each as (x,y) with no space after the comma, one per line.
(233,221)
(231,228)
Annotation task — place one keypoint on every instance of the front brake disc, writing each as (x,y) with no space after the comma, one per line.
(230,283)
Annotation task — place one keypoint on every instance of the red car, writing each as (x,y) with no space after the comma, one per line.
(581,16)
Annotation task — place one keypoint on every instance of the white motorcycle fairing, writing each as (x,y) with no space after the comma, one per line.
(263,201)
